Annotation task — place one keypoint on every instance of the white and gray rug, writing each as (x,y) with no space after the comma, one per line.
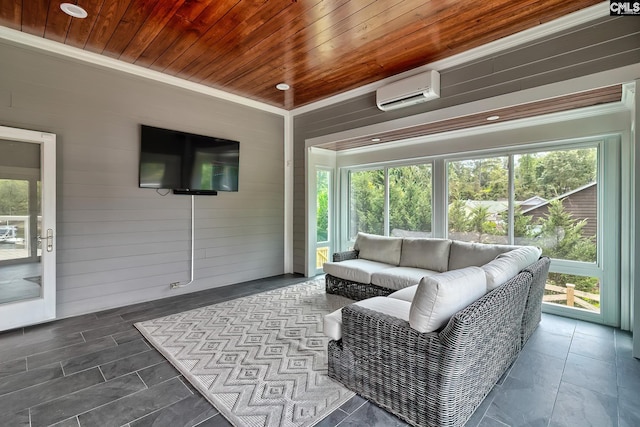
(261,360)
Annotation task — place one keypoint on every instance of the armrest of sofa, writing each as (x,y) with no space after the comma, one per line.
(381,357)
(343,256)
(371,332)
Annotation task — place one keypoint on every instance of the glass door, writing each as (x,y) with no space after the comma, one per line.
(27,224)
(323,217)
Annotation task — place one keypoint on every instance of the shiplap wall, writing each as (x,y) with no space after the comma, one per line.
(604,44)
(117,243)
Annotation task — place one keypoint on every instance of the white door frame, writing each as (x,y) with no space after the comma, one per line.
(37,310)
(318,158)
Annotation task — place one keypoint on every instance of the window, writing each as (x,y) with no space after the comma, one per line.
(408,211)
(557,203)
(323,217)
(15,231)
(410,200)
(366,202)
(553,205)
(478,200)
(563,197)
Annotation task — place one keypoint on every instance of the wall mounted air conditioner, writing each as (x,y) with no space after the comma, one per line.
(410,91)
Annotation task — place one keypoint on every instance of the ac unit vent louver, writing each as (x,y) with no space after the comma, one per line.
(410,91)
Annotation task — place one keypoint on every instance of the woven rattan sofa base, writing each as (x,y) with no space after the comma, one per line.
(434,379)
(533,309)
(354,290)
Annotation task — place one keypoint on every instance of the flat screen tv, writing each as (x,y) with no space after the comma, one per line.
(187,163)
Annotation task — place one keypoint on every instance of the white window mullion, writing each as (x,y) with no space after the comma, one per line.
(440,203)
(511,213)
(386,202)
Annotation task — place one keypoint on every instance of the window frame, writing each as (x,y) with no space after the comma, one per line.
(346,193)
(608,194)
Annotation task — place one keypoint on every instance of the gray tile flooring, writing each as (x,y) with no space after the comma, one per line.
(97,370)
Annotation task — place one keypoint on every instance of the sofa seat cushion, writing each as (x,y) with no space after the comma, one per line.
(390,306)
(379,248)
(406,294)
(467,254)
(399,277)
(355,270)
(440,296)
(430,254)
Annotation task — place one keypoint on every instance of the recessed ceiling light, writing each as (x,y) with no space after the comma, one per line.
(73,10)
(492,118)
(283,86)
(375,139)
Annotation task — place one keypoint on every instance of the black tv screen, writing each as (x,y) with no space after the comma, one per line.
(186,162)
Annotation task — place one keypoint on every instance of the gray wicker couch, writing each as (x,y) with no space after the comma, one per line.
(438,378)
(380,265)
(457,255)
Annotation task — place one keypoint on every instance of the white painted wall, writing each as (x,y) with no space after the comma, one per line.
(119,244)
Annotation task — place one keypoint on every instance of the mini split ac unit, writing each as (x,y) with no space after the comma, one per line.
(410,91)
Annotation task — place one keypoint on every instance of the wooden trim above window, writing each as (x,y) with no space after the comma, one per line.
(574,101)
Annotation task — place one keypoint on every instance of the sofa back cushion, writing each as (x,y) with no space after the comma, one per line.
(522,256)
(498,272)
(508,264)
(440,296)
(378,248)
(466,254)
(430,254)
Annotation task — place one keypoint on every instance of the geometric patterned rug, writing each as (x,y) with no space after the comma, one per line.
(261,360)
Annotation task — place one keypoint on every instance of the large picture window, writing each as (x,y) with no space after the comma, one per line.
(551,197)
(552,204)
(410,200)
(407,212)
(557,202)
(478,199)
(366,202)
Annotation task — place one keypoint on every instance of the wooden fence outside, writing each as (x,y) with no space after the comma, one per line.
(571,296)
(322,256)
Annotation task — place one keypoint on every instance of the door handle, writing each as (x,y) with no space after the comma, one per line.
(48,238)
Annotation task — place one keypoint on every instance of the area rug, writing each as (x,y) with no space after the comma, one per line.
(261,360)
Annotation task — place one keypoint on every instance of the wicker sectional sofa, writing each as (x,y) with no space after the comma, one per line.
(431,352)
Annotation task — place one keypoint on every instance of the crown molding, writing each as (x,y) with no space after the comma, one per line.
(18,38)
(527,36)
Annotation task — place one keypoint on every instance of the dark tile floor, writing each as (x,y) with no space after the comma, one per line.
(96,370)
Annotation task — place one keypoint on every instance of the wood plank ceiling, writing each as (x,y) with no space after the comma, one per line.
(246,47)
